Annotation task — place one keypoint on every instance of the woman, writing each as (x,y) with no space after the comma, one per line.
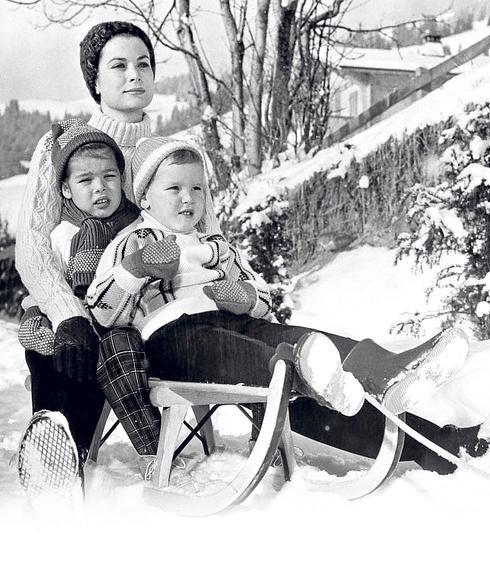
(118,65)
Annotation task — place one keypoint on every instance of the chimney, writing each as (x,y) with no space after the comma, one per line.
(432,45)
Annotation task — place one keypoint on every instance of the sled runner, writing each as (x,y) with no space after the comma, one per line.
(428,361)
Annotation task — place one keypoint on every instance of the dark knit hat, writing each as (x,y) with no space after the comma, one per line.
(69,136)
(95,40)
(147,157)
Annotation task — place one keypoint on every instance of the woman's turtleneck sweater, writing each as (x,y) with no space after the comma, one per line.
(40,270)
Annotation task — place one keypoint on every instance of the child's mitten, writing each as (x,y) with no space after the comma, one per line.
(35,332)
(238,297)
(159,259)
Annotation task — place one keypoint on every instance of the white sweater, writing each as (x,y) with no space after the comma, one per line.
(116,297)
(40,269)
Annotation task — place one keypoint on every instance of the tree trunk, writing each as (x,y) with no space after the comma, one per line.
(186,39)
(237,51)
(280,122)
(254,125)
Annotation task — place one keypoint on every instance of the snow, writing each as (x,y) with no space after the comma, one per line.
(11,191)
(420,522)
(450,99)
(162,104)
(476,175)
(394,60)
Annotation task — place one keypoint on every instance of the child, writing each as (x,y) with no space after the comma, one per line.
(202,311)
(88,167)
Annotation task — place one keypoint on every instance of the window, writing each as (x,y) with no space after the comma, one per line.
(353,104)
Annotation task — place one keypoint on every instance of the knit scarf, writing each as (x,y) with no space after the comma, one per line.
(90,241)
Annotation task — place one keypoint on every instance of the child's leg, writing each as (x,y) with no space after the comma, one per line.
(80,402)
(199,348)
(122,376)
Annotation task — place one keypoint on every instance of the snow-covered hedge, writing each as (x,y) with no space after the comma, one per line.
(362,199)
(452,220)
(260,229)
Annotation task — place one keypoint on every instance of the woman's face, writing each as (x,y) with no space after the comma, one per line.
(125,78)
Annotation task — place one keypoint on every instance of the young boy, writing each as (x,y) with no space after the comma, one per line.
(88,167)
(202,311)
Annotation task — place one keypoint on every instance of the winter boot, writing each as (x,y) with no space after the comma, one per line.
(400,380)
(318,364)
(148,463)
(48,458)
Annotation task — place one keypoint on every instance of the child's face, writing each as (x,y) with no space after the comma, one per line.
(94,184)
(175,196)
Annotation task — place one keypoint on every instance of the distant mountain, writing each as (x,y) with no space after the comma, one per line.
(162,104)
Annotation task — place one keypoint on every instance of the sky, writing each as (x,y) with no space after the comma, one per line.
(41,63)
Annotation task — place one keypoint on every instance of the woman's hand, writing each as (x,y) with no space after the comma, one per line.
(160,259)
(76,348)
(35,332)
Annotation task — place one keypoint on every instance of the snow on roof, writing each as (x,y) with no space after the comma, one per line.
(448,100)
(410,58)
(382,59)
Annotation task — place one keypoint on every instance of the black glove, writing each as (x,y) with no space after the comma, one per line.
(76,348)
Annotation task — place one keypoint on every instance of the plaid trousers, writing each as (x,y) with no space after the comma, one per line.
(122,376)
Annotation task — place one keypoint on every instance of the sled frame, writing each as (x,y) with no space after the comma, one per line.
(177,397)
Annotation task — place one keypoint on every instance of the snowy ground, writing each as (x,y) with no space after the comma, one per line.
(421,522)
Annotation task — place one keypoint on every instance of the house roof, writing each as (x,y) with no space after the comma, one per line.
(411,58)
(382,59)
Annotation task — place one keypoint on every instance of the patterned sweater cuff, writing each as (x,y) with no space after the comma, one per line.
(128,282)
(262,304)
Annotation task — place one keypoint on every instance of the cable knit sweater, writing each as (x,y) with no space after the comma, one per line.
(116,297)
(40,270)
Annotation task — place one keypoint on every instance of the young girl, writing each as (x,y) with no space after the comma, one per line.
(205,315)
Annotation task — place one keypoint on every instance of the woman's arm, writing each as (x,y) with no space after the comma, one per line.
(39,268)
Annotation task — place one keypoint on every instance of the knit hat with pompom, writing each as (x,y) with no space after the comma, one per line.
(149,154)
(68,136)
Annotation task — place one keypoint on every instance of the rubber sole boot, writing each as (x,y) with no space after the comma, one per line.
(48,458)
(318,364)
(402,379)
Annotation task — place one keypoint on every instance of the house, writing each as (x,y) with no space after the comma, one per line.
(364,76)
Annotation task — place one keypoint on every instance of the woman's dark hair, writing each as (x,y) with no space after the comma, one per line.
(95,40)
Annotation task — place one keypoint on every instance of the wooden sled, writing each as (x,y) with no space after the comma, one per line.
(178,397)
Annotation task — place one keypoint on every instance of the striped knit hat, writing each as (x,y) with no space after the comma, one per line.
(148,156)
(68,136)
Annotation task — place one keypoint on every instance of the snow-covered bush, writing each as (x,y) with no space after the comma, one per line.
(452,218)
(256,222)
(11,289)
